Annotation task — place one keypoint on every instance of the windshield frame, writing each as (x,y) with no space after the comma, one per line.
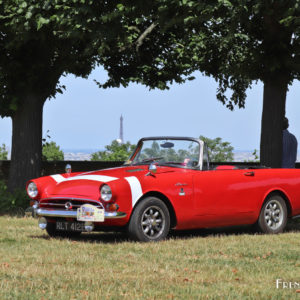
(199,166)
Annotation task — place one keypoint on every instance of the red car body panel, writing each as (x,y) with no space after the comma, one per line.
(199,199)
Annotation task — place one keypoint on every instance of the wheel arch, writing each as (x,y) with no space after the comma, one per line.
(167,202)
(284,197)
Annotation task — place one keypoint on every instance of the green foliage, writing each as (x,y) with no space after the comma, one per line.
(218,150)
(12,203)
(232,41)
(116,151)
(255,157)
(3,152)
(51,152)
(42,40)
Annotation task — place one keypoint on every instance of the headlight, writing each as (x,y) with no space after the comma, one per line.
(105,192)
(32,190)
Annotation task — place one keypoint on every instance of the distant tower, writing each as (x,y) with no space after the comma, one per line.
(121,138)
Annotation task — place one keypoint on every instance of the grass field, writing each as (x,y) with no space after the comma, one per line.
(207,265)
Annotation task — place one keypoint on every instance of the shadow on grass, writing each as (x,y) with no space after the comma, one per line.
(95,237)
(121,237)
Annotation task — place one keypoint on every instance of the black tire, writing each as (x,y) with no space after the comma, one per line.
(53,232)
(273,215)
(150,221)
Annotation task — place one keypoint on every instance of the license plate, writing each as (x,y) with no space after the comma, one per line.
(69,226)
(90,213)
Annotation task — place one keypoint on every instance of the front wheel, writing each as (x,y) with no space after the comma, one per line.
(150,221)
(273,215)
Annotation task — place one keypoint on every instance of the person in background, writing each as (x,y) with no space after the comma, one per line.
(289,146)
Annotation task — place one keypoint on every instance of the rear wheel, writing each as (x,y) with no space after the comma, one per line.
(273,215)
(150,221)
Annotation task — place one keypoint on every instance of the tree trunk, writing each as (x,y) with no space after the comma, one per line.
(274,100)
(26,142)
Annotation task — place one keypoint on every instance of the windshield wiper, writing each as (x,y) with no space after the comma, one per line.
(150,159)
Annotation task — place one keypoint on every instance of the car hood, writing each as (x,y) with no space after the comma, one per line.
(87,184)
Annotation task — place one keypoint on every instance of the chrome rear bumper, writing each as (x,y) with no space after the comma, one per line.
(40,212)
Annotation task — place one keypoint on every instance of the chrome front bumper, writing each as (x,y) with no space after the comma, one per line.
(40,212)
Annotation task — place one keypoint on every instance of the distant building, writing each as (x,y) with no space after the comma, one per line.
(121,136)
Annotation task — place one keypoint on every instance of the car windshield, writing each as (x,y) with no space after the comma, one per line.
(183,153)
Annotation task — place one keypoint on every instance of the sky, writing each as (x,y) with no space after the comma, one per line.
(87,117)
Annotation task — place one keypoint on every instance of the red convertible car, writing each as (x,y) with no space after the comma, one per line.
(167,183)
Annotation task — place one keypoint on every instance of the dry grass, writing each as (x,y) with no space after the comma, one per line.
(208,265)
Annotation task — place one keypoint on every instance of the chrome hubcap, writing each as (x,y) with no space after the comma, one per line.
(274,214)
(153,222)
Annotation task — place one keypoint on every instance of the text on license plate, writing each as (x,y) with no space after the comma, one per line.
(70,226)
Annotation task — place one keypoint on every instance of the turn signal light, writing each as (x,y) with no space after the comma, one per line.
(112,207)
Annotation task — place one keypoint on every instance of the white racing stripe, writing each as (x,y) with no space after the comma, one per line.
(101,178)
(136,189)
(134,183)
(58,178)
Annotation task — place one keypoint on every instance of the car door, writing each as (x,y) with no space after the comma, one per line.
(226,197)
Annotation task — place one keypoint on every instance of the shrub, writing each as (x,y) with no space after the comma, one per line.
(12,203)
(218,150)
(52,152)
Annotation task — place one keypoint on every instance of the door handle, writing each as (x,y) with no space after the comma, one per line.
(251,173)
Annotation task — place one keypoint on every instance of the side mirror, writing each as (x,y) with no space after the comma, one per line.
(152,170)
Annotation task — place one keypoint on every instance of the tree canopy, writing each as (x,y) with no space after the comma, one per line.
(51,152)
(116,151)
(218,150)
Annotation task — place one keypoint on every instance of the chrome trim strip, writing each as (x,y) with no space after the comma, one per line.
(73,214)
(63,204)
(70,199)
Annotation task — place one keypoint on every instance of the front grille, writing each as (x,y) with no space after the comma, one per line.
(67,204)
